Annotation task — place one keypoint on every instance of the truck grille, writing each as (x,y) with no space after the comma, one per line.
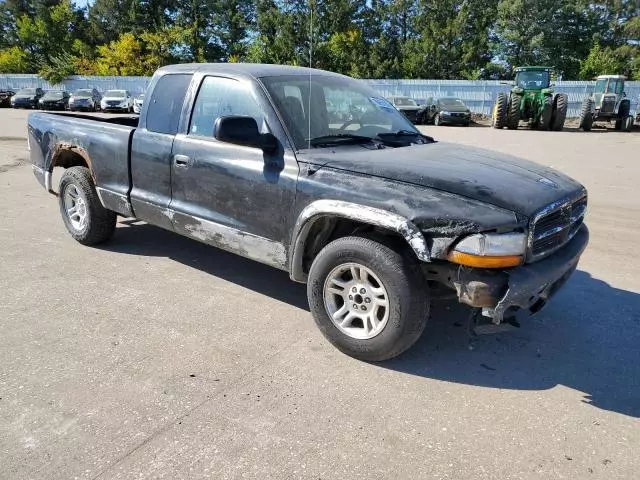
(554,226)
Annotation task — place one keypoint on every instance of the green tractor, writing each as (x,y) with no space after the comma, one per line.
(531,99)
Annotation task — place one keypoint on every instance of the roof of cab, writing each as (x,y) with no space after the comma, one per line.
(256,70)
(617,77)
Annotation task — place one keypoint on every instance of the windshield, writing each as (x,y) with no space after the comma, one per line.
(609,85)
(451,102)
(404,102)
(83,93)
(27,91)
(317,106)
(53,95)
(115,93)
(533,79)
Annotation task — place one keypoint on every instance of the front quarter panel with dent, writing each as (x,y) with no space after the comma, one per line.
(440,216)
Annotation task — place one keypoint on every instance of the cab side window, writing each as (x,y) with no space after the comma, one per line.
(165,107)
(221,97)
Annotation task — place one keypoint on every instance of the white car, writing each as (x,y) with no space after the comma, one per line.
(117,101)
(137,103)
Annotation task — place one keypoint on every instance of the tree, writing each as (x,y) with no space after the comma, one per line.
(600,61)
(13,60)
(121,57)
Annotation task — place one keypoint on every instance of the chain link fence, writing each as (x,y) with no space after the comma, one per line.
(478,95)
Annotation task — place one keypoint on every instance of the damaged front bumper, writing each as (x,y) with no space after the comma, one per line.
(525,288)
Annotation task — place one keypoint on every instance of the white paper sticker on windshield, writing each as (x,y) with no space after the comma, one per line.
(382,103)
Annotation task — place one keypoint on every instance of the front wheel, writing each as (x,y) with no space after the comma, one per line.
(86,219)
(369,301)
(513,112)
(586,117)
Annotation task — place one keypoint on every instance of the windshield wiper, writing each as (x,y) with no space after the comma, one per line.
(338,138)
(405,133)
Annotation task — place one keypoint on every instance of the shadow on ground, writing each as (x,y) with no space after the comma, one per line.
(588,338)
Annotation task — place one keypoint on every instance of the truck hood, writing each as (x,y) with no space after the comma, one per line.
(484,175)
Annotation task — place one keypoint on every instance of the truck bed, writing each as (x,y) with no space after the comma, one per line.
(66,139)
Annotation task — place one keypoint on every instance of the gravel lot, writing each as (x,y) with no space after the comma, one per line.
(157,357)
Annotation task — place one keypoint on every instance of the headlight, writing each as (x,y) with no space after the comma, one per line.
(490,250)
(518,90)
(444,112)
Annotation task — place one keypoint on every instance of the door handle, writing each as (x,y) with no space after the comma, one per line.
(181,160)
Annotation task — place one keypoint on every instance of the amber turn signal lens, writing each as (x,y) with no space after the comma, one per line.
(484,261)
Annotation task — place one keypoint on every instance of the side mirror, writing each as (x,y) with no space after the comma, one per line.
(244,131)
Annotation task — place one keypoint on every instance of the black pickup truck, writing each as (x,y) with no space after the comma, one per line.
(373,215)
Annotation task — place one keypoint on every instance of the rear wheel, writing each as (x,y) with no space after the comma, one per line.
(513,116)
(560,104)
(627,125)
(545,116)
(499,117)
(368,300)
(84,216)
(623,113)
(586,118)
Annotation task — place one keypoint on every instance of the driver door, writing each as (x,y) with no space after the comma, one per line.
(229,195)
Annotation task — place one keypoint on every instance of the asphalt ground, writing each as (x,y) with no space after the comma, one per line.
(154,356)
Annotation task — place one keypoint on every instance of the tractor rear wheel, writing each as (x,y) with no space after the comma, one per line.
(499,117)
(627,125)
(623,113)
(547,111)
(586,119)
(560,104)
(513,115)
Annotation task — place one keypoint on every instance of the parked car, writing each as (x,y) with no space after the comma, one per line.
(87,99)
(407,106)
(27,98)
(137,103)
(54,100)
(116,101)
(446,110)
(5,97)
(370,215)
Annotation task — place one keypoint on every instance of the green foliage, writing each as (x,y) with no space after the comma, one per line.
(121,57)
(600,61)
(13,60)
(448,39)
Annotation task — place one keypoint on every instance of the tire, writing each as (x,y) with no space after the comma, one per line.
(499,117)
(547,111)
(586,118)
(623,113)
(436,120)
(407,307)
(513,114)
(627,124)
(560,104)
(99,223)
